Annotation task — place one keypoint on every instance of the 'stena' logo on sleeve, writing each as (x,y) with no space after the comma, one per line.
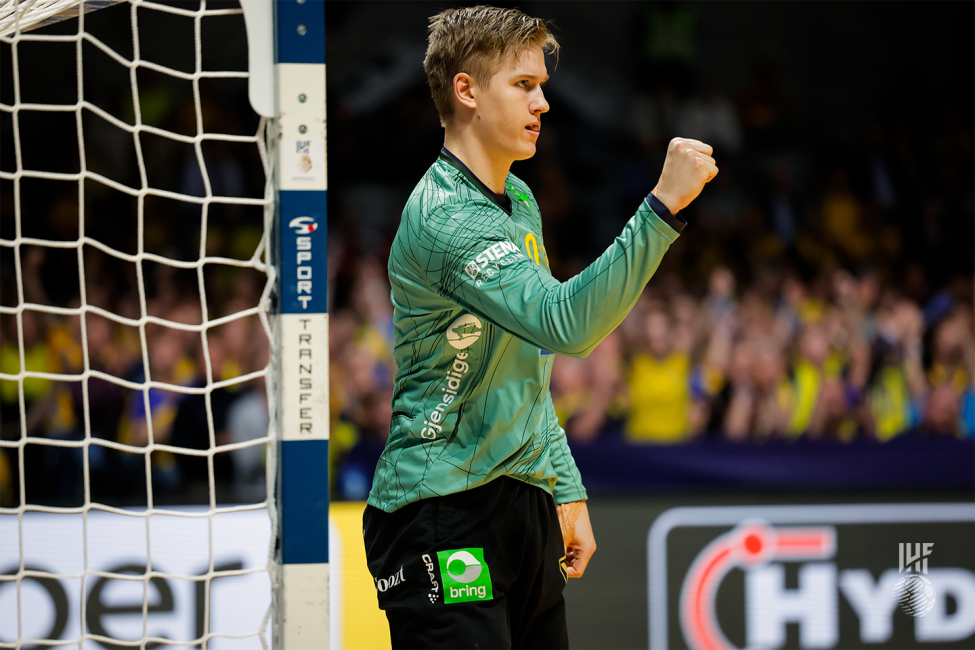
(466,577)
(491,260)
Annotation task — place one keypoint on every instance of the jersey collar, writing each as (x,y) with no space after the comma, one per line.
(503,201)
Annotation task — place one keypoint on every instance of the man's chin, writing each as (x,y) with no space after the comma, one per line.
(526,152)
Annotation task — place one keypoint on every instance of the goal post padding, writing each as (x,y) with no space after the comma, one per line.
(301,591)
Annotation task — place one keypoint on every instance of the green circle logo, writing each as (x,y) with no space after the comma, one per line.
(463,567)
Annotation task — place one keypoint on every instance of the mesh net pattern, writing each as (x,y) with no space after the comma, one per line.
(203,197)
(29,13)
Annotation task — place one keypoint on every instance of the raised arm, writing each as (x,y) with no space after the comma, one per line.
(474,263)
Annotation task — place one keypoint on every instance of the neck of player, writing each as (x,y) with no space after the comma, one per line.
(490,169)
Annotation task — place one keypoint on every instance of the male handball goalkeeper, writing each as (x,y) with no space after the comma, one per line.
(477,514)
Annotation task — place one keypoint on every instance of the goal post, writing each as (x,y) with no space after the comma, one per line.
(302,492)
(286,87)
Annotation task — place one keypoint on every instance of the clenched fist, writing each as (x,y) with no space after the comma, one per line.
(577,536)
(688,167)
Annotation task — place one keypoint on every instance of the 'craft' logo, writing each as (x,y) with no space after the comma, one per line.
(435,586)
(303,225)
(464,331)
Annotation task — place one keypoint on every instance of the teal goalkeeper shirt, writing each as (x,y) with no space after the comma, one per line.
(478,317)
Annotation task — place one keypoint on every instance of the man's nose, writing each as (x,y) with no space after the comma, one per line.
(540,105)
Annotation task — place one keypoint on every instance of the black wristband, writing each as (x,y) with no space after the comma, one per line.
(675,221)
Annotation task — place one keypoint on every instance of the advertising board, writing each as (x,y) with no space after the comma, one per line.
(182,549)
(52,607)
(812,576)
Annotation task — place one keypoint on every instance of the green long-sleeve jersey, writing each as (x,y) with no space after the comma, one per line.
(477,318)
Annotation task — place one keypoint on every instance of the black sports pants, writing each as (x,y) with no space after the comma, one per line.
(482,568)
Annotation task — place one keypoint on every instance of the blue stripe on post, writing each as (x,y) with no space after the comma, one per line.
(293,45)
(304,251)
(304,501)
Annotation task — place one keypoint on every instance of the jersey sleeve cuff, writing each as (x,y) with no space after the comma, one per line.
(675,221)
(568,496)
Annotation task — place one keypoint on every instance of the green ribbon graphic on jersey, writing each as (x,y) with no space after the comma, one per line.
(519,195)
(466,577)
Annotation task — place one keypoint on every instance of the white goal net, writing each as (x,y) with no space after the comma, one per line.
(135,287)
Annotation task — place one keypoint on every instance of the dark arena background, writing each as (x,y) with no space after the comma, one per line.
(801,367)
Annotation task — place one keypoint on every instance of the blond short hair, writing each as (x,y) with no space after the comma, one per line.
(475,40)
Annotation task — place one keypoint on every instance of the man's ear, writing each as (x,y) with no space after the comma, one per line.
(464,90)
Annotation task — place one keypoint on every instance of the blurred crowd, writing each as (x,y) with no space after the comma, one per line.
(823,288)
(123,419)
(195,425)
(838,359)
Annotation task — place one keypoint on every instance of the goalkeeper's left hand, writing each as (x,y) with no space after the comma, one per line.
(577,536)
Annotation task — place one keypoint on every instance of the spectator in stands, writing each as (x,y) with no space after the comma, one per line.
(196,414)
(773,397)
(170,362)
(809,371)
(38,394)
(897,387)
(9,404)
(659,385)
(942,411)
(361,377)
(950,374)
(342,434)
(248,419)
(739,419)
(372,421)
(952,350)
(587,393)
(106,400)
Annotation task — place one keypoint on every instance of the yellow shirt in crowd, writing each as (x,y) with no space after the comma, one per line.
(890,403)
(660,398)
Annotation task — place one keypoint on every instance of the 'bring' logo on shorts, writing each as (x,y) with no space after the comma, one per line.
(465,574)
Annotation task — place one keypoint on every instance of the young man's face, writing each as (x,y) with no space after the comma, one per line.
(510,105)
